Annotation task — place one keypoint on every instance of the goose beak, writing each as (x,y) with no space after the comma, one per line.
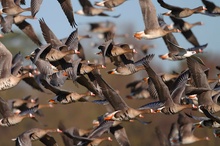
(198,125)
(112,72)
(109,117)
(146,79)
(52,101)
(137,35)
(65,73)
(167,13)
(163,57)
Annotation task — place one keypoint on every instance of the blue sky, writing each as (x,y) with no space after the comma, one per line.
(131,14)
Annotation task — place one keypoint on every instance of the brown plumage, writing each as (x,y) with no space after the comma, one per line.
(179,12)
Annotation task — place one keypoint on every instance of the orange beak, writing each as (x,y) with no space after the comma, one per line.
(137,36)
(199,126)
(52,101)
(146,79)
(163,57)
(109,117)
(158,111)
(111,72)
(65,73)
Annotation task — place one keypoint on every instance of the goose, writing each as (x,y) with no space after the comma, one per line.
(152,28)
(171,100)
(12,8)
(110,3)
(122,112)
(183,25)
(26,138)
(128,67)
(187,131)
(179,53)
(112,50)
(200,80)
(8,117)
(63,96)
(22,24)
(94,137)
(204,121)
(179,12)
(72,131)
(212,9)
(8,80)
(185,28)
(89,10)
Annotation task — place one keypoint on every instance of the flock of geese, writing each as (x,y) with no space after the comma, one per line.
(59,60)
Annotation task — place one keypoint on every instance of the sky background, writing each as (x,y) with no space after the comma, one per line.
(131,16)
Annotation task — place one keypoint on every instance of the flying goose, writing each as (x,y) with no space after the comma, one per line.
(200,80)
(7,79)
(152,28)
(179,12)
(90,10)
(26,138)
(171,100)
(212,9)
(122,110)
(110,3)
(12,8)
(128,67)
(8,117)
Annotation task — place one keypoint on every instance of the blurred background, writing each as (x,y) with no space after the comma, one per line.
(81,115)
